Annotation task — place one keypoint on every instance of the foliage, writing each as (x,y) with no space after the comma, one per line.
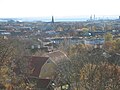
(104,76)
(76,49)
(13,63)
(112,46)
(108,37)
(90,70)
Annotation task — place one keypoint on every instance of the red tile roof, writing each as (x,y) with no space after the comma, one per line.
(36,65)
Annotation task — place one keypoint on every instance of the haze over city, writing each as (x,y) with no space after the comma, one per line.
(58,8)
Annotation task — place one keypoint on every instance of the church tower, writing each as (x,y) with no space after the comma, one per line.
(52,19)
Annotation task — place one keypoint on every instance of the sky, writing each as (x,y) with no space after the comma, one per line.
(58,8)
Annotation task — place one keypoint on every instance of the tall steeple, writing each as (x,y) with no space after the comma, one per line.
(52,19)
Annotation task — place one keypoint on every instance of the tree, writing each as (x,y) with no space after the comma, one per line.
(13,63)
(112,46)
(99,73)
(90,70)
(68,71)
(104,76)
(108,37)
(76,49)
(109,46)
(117,45)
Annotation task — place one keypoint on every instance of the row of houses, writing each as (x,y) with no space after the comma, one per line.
(50,44)
(78,40)
(100,33)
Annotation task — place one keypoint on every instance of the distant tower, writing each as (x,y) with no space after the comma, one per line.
(52,19)
(91,18)
(94,16)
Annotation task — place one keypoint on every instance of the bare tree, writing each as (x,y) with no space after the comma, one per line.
(13,63)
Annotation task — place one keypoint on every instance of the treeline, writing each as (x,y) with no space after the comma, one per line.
(90,68)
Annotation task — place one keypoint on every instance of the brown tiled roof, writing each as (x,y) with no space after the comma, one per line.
(36,65)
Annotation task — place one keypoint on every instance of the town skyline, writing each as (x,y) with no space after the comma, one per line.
(62,19)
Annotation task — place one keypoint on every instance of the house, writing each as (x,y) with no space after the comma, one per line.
(68,40)
(48,69)
(98,42)
(42,84)
(57,56)
(43,68)
(36,64)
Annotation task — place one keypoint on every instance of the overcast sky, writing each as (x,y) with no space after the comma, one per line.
(58,8)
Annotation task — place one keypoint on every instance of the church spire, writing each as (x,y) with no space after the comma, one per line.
(52,19)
